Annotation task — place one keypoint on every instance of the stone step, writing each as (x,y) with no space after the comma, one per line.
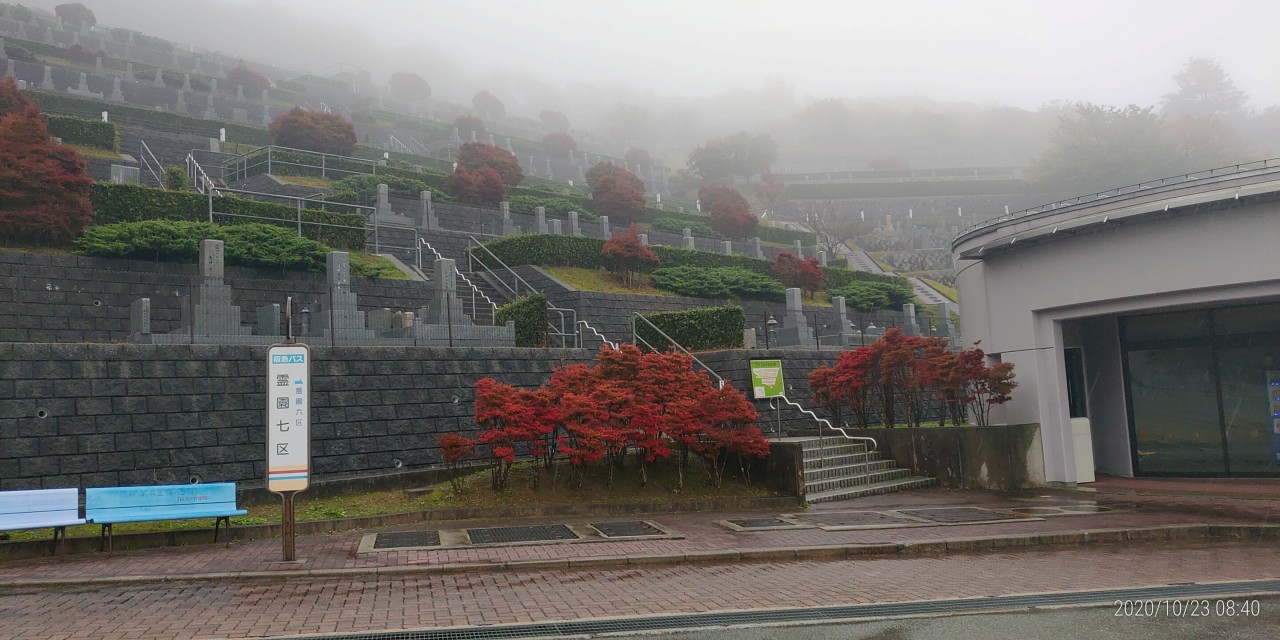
(822,462)
(859,468)
(819,486)
(877,488)
(828,442)
(835,450)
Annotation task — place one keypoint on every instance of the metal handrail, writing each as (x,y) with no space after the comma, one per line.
(242,165)
(199,179)
(1125,190)
(471,240)
(822,421)
(635,337)
(612,345)
(143,152)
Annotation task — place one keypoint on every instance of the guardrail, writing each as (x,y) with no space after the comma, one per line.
(152,165)
(1219,172)
(271,157)
(561,331)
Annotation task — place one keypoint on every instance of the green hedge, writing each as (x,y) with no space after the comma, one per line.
(366,185)
(676,225)
(720,282)
(530,315)
(556,207)
(767,234)
(566,251)
(85,132)
(702,329)
(786,236)
(149,118)
(921,188)
(869,296)
(132,203)
(247,245)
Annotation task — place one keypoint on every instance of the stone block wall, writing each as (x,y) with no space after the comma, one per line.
(60,298)
(105,415)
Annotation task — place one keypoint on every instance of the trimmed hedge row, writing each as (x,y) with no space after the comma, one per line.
(556,207)
(765,233)
(84,132)
(704,329)
(530,315)
(149,118)
(132,203)
(676,225)
(720,282)
(567,251)
(246,245)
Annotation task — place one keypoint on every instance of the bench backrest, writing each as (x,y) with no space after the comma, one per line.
(38,505)
(159,500)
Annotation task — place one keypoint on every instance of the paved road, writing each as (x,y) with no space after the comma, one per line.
(1093,623)
(315,604)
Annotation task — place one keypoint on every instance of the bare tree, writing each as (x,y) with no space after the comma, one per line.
(832,229)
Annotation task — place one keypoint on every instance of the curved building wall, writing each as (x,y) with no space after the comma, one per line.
(1028,293)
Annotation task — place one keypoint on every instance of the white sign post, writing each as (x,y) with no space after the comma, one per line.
(288,428)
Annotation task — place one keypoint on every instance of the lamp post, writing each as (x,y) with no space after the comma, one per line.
(769,327)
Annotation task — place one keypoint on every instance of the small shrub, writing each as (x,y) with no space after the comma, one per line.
(869,296)
(721,282)
(677,225)
(314,131)
(618,198)
(626,256)
(530,315)
(797,272)
(84,132)
(246,245)
(474,156)
(455,448)
(696,329)
(482,186)
(176,178)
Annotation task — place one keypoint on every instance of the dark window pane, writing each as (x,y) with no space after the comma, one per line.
(1166,326)
(1259,318)
(1175,411)
(1077,400)
(1247,405)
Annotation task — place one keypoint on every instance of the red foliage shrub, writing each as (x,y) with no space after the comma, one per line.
(252,81)
(473,156)
(733,220)
(314,131)
(617,193)
(480,187)
(44,190)
(559,145)
(797,272)
(711,194)
(454,449)
(626,256)
(467,123)
(602,169)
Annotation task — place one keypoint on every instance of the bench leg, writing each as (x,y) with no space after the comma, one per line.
(106,539)
(56,549)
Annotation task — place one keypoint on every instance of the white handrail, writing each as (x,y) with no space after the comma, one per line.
(612,345)
(422,242)
(635,336)
(143,152)
(821,421)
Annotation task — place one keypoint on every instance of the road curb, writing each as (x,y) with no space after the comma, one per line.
(1161,533)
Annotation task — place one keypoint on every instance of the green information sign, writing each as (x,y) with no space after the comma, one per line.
(766,379)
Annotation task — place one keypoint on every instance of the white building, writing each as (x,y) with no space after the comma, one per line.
(1148,317)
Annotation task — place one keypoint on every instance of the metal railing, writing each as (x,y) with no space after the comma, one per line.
(271,157)
(200,180)
(153,165)
(822,421)
(476,293)
(565,330)
(1219,172)
(636,339)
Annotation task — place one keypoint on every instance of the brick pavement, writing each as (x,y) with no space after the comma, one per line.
(337,551)
(307,605)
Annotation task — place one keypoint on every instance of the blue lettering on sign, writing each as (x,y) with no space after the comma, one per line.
(293,358)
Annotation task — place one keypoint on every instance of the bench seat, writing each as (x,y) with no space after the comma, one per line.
(41,509)
(107,506)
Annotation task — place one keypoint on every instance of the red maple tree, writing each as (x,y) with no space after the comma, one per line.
(601,169)
(619,198)
(626,256)
(798,272)
(709,195)
(252,81)
(559,145)
(44,189)
(733,219)
(314,131)
(482,186)
(474,156)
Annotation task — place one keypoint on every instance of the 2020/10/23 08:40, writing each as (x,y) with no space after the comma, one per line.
(1187,608)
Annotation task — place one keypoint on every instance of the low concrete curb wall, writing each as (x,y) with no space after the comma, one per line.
(999,457)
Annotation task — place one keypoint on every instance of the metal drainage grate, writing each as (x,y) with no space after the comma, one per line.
(858,519)
(762,523)
(630,529)
(955,515)
(815,614)
(399,539)
(1038,511)
(536,533)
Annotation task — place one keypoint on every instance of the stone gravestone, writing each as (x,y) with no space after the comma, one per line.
(573,224)
(239,93)
(540,217)
(822,258)
(47,82)
(605,232)
(947,328)
(83,88)
(644,239)
(491,142)
(128,72)
(214,313)
(213,89)
(240,115)
(186,82)
(140,320)
(795,329)
(9,71)
(268,320)
(457,136)
(338,315)
(181,106)
(266,115)
(909,325)
(508,227)
(97,67)
(445,306)
(688,239)
(159,79)
(840,322)
(509,148)
(556,228)
(799,253)
(756,251)
(474,137)
(384,202)
(428,211)
(117,95)
(726,247)
(3,56)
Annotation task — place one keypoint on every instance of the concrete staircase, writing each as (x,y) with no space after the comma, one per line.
(840,469)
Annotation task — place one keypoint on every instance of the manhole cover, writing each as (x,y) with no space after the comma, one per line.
(538,533)
(632,529)
(761,523)
(857,519)
(407,539)
(956,514)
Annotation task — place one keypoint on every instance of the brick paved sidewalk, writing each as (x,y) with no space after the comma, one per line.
(701,535)
(211,609)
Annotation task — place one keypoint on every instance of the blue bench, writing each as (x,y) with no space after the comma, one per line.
(40,508)
(112,505)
